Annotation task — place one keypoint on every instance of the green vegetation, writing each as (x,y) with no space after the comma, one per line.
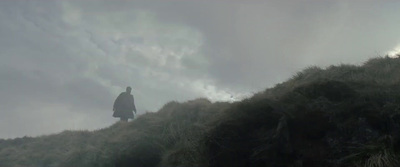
(343,115)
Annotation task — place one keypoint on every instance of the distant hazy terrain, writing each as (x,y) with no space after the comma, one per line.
(343,115)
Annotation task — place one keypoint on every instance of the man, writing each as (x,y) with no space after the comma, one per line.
(124,105)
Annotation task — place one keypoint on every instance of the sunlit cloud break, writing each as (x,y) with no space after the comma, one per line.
(395,52)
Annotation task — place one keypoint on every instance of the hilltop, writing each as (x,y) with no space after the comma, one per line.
(343,115)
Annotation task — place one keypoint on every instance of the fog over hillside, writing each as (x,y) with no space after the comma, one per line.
(62,63)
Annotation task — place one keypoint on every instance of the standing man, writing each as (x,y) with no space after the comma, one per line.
(124,105)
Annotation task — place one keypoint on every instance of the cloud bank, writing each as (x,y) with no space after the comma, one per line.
(62,63)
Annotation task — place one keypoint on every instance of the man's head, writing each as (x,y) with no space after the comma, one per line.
(128,89)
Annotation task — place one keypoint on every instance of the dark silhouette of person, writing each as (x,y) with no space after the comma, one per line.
(124,105)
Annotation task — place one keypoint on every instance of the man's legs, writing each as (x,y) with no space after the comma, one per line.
(124,119)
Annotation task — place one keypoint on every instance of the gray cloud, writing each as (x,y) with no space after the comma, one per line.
(62,63)
(249,43)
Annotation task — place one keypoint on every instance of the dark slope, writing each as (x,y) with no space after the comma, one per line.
(339,116)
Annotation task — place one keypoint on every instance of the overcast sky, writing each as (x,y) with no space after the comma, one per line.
(62,63)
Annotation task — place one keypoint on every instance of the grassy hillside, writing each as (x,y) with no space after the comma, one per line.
(343,115)
(339,116)
(149,140)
